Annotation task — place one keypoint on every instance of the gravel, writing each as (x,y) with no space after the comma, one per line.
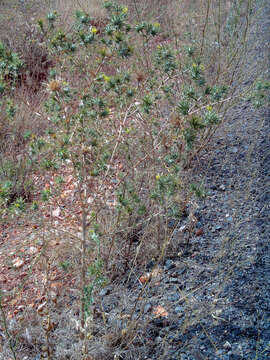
(217,293)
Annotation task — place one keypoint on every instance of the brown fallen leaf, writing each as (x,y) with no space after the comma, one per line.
(41,307)
(145,278)
(159,311)
(199,232)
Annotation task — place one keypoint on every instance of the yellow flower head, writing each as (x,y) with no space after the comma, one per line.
(202,68)
(156,24)
(106,78)
(94,30)
(209,108)
(157,177)
(124,10)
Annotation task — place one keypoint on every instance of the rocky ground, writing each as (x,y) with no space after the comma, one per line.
(215,293)
(211,300)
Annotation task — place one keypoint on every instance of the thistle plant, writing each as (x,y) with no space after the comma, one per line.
(127,135)
(10,66)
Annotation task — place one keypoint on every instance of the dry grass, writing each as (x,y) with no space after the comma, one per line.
(27,120)
(136,239)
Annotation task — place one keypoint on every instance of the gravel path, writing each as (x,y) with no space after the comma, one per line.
(218,292)
(229,317)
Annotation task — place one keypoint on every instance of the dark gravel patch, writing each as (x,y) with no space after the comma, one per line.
(217,293)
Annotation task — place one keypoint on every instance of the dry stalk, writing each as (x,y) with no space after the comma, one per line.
(11,342)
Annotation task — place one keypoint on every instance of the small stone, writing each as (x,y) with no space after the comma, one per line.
(147,308)
(179,309)
(32,250)
(56,212)
(218,312)
(173,297)
(227,345)
(17,263)
(158,339)
(169,264)
(234,149)
(222,187)
(105,291)
(182,228)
